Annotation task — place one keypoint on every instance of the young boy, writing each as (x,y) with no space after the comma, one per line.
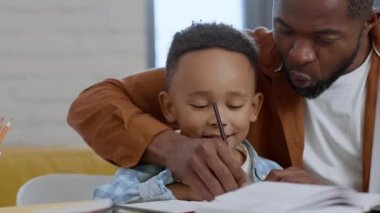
(206,63)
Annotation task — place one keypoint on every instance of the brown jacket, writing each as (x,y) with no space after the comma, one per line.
(119,118)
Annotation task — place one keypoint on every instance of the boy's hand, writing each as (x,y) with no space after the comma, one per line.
(183,192)
(293,175)
(207,166)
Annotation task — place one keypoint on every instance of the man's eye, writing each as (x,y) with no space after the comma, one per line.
(325,41)
(287,32)
(283,30)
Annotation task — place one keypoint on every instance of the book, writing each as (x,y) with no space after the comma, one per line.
(290,197)
(274,197)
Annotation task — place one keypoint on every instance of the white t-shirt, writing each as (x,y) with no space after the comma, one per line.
(334,130)
(247,165)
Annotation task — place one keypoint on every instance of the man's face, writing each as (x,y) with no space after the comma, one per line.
(204,76)
(318,41)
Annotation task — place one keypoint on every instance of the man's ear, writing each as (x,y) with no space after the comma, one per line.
(257,102)
(373,18)
(167,107)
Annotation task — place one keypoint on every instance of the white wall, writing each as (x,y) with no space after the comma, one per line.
(50,50)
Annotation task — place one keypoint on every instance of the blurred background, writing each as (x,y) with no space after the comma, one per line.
(51,50)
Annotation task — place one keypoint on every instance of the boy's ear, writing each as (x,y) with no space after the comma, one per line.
(257,102)
(167,106)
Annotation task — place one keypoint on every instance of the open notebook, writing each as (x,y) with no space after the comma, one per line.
(255,198)
(273,197)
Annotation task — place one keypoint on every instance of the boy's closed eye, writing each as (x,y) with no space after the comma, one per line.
(236,103)
(204,106)
(235,107)
(200,106)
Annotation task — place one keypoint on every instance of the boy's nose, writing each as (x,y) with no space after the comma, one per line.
(213,121)
(213,117)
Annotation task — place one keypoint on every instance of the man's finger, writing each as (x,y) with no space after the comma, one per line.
(199,187)
(293,168)
(241,178)
(275,175)
(206,176)
(233,168)
(223,174)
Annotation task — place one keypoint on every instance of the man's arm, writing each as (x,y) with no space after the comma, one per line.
(107,118)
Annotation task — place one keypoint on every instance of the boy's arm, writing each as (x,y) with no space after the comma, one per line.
(140,184)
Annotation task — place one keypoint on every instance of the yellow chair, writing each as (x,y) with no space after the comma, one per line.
(18,165)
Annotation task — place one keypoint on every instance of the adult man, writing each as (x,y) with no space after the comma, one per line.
(320,50)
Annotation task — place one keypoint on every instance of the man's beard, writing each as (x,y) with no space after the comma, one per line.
(322,85)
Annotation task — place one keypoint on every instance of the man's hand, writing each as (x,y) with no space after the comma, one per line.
(293,175)
(207,166)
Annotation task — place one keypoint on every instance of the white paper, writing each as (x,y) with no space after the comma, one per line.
(167,206)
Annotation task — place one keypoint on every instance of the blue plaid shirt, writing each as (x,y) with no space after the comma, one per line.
(148,182)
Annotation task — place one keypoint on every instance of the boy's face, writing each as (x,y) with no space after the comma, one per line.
(208,75)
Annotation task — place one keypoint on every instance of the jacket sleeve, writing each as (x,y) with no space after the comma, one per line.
(119,118)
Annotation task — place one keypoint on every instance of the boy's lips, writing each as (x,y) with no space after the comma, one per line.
(215,136)
(299,79)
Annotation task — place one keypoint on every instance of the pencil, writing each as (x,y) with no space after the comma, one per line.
(219,122)
(4,130)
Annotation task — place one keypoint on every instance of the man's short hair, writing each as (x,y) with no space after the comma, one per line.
(359,8)
(200,36)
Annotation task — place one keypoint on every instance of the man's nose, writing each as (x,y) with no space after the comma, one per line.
(302,52)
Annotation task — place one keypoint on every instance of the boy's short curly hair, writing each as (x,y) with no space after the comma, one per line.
(201,36)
